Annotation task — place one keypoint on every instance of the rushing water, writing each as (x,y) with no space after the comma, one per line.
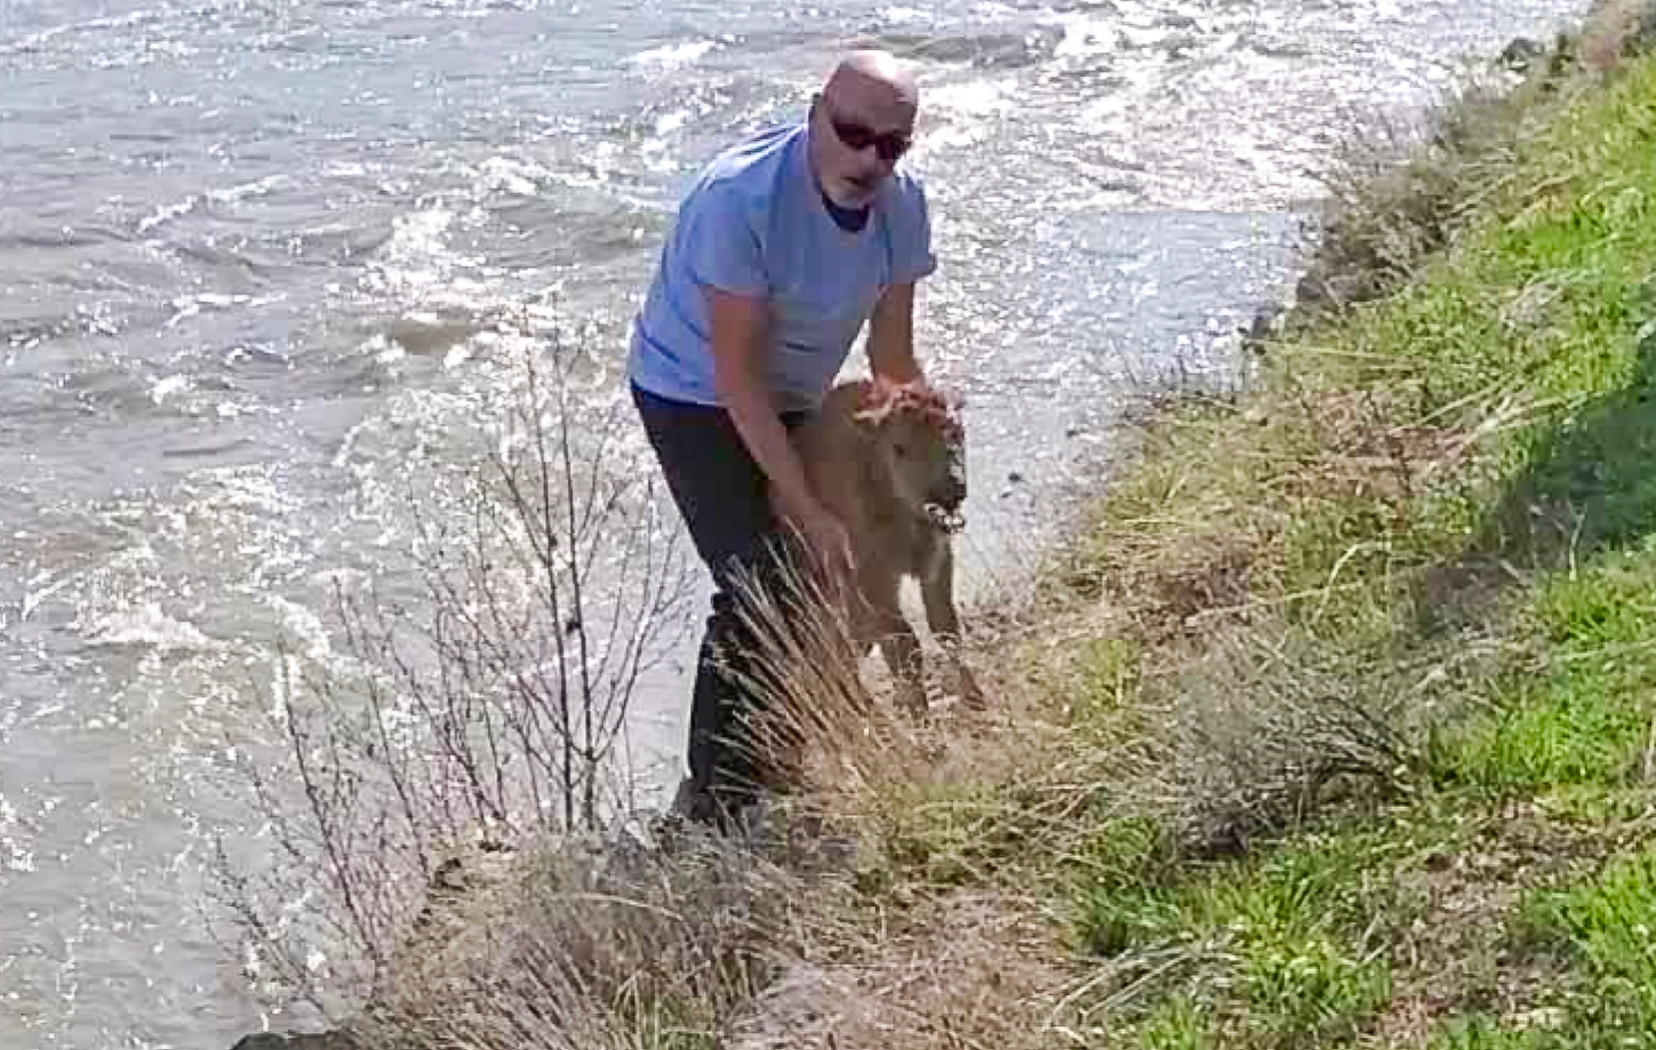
(249,251)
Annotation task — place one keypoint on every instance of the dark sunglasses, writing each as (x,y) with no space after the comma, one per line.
(889,146)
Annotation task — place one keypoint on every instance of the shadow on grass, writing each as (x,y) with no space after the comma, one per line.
(1590,487)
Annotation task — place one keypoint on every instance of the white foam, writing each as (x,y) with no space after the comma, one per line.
(417,263)
(17,858)
(256,188)
(168,386)
(40,589)
(185,307)
(248,488)
(510,175)
(657,152)
(1086,38)
(146,625)
(167,212)
(902,15)
(673,56)
(670,122)
(306,626)
(36,40)
(967,109)
(974,98)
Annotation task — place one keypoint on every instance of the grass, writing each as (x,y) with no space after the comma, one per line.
(1363,710)
(1396,607)
(1337,727)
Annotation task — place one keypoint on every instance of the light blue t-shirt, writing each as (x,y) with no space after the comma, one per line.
(754,222)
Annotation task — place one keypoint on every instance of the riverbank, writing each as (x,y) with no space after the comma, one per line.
(1332,729)
(1348,732)
(1345,737)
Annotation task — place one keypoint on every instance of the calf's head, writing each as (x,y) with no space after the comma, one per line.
(919,446)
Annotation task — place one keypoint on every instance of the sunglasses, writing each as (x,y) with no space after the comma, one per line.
(889,146)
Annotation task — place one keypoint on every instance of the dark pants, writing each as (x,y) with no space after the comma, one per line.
(722,495)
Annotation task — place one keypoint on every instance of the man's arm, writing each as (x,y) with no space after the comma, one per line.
(723,257)
(891,336)
(739,326)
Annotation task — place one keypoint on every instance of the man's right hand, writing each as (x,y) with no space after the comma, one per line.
(831,547)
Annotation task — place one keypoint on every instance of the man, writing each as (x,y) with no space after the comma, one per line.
(786,244)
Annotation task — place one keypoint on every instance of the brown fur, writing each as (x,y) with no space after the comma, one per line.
(874,454)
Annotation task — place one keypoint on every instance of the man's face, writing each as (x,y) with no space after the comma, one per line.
(858,139)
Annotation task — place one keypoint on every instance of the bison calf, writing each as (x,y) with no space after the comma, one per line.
(889,462)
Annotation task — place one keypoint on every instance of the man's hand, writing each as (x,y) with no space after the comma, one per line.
(830,545)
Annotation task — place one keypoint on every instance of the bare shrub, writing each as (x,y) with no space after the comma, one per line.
(491,710)
(684,939)
(1399,187)
(1261,727)
(439,882)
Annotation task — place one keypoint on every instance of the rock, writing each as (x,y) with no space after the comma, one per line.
(1520,54)
(279,1041)
(1268,321)
(426,334)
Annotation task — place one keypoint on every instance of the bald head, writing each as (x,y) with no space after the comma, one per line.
(870,79)
(861,124)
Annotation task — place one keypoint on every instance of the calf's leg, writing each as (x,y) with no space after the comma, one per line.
(937,592)
(898,643)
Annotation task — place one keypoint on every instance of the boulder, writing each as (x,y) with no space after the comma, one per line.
(1520,54)
(279,1041)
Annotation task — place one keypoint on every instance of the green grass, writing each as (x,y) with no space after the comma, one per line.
(1291,936)
(1358,748)
(1602,926)
(1436,511)
(1579,710)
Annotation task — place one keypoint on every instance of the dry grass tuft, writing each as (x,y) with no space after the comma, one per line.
(635,944)
(1244,585)
(820,733)
(973,970)
(1212,527)
(841,750)
(1400,190)
(1263,729)
(1615,31)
